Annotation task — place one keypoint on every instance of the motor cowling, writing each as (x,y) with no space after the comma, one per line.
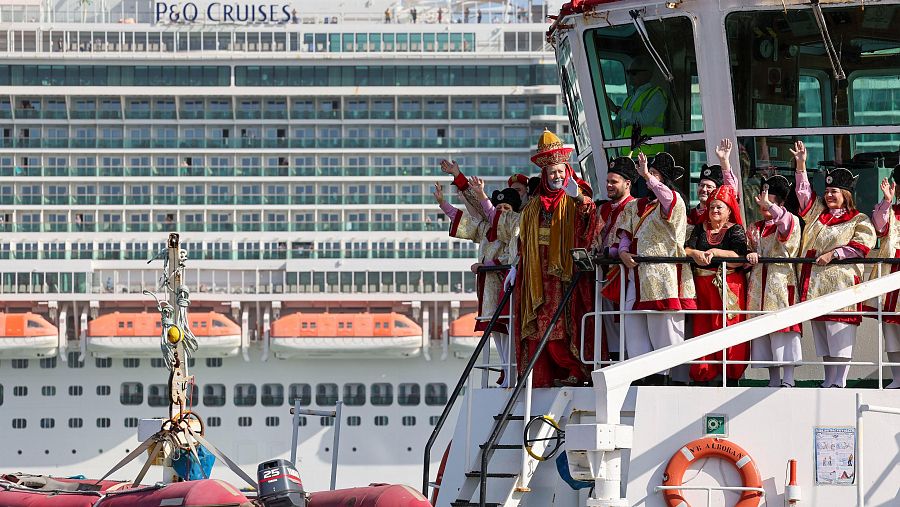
(280,485)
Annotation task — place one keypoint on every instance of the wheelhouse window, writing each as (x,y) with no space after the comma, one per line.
(779,64)
(572,95)
(631,88)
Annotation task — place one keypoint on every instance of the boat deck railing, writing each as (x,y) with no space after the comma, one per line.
(722,264)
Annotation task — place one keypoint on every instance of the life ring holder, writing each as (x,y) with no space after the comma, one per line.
(558,437)
(711,448)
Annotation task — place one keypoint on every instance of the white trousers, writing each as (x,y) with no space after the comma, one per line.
(648,332)
(501,341)
(834,339)
(781,347)
(611,325)
(892,338)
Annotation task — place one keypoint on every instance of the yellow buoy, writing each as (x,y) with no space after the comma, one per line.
(174,335)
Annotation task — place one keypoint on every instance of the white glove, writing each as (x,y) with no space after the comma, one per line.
(570,187)
(510,279)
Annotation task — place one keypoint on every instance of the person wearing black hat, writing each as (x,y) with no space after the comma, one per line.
(655,227)
(495,229)
(773,287)
(711,178)
(835,229)
(886,218)
(620,176)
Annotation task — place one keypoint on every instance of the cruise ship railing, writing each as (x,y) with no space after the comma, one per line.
(464,377)
(723,263)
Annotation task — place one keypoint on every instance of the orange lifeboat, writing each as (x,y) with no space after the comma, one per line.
(462,335)
(27,336)
(304,335)
(120,334)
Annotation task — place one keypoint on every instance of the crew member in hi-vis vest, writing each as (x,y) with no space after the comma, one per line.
(835,229)
(772,287)
(886,218)
(645,105)
(654,227)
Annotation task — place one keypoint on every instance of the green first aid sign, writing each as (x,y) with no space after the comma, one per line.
(714,425)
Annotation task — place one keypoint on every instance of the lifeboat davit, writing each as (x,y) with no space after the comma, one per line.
(27,336)
(305,335)
(120,334)
(462,335)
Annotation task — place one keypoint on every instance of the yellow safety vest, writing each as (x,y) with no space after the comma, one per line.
(654,129)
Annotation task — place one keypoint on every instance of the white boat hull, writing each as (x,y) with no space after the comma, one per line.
(148,346)
(343,347)
(28,347)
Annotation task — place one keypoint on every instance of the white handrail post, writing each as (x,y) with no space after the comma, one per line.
(598,318)
(880,335)
(623,283)
(724,271)
(860,491)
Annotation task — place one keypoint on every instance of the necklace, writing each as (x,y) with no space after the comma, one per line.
(715,237)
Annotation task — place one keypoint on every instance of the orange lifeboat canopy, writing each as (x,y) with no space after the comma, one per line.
(301,335)
(27,336)
(462,335)
(122,334)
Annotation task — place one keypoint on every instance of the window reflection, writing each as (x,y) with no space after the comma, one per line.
(781,73)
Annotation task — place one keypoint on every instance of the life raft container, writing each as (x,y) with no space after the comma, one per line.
(712,448)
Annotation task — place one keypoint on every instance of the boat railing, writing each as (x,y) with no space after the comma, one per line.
(722,264)
(464,377)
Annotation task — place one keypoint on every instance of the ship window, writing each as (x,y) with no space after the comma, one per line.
(312,325)
(158,395)
(326,421)
(629,87)
(340,325)
(378,325)
(272,421)
(408,420)
(272,395)
(131,362)
(48,391)
(213,362)
(326,395)
(48,423)
(1,394)
(73,359)
(244,395)
(245,421)
(131,422)
(408,395)
(103,422)
(354,394)
(48,362)
(214,421)
(103,362)
(381,420)
(20,391)
(772,50)
(121,324)
(33,324)
(382,394)
(301,393)
(214,395)
(304,325)
(354,420)
(104,390)
(76,422)
(436,394)
(131,393)
(219,323)
(19,424)
(20,364)
(157,362)
(399,324)
(433,420)
(76,390)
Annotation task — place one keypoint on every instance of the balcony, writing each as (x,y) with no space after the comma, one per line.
(114,172)
(217,143)
(356,115)
(463,115)
(382,143)
(275,226)
(137,115)
(164,115)
(249,226)
(193,200)
(255,172)
(191,227)
(58,200)
(220,200)
(164,143)
(276,199)
(84,115)
(489,115)
(191,115)
(303,227)
(112,227)
(28,142)
(248,115)
(55,143)
(220,171)
(489,143)
(109,115)
(516,143)
(165,199)
(137,200)
(275,115)
(328,143)
(85,172)
(330,199)
(83,143)
(462,143)
(547,110)
(356,143)
(516,114)
(138,227)
(29,200)
(382,115)
(303,199)
(247,143)
(28,114)
(138,171)
(137,143)
(409,143)
(165,171)
(303,143)
(191,143)
(194,172)
(55,227)
(303,171)
(85,200)
(219,115)
(276,143)
(249,200)
(328,115)
(409,115)
(303,115)
(437,115)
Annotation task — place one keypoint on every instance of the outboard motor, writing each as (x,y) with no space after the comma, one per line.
(280,485)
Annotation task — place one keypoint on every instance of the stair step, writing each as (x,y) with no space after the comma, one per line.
(469,503)
(491,368)
(511,418)
(493,475)
(503,446)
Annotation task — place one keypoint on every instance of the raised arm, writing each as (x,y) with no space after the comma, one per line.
(664,194)
(723,152)
(880,216)
(802,187)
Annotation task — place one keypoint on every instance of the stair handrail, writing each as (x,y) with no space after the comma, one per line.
(464,377)
(503,419)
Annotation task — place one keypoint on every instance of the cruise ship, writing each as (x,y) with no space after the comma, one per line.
(294,152)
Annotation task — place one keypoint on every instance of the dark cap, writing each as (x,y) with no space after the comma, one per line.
(665,164)
(712,173)
(507,196)
(779,186)
(841,178)
(624,167)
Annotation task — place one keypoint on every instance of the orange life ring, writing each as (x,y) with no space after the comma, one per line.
(706,448)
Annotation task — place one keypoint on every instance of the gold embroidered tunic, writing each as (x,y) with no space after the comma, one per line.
(774,286)
(889,248)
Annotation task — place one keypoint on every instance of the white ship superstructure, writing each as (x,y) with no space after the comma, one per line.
(295,157)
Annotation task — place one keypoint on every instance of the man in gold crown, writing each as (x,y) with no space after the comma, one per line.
(560,217)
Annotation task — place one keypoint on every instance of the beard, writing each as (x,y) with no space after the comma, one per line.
(555,184)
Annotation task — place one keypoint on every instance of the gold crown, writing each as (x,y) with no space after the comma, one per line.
(550,150)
